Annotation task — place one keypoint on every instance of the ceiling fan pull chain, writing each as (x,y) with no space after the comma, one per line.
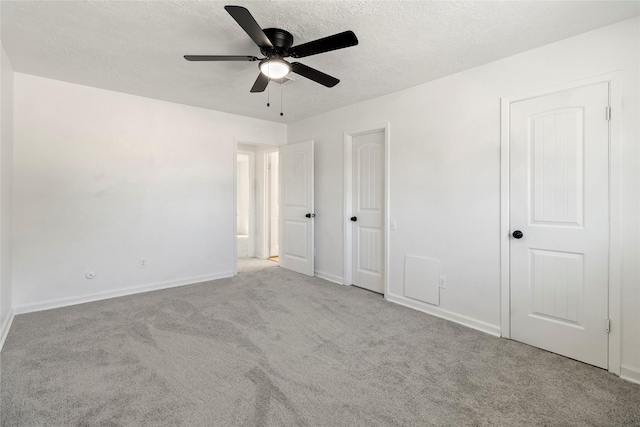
(281,90)
(268,91)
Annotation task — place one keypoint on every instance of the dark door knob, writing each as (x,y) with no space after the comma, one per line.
(517,234)
(354,218)
(310,215)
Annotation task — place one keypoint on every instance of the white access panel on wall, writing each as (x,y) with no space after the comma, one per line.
(296,208)
(559,195)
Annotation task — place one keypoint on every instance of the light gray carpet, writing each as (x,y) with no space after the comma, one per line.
(271,348)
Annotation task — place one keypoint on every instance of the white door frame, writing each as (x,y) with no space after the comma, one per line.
(615,211)
(348,202)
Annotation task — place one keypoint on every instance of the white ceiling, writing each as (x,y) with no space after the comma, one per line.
(136,47)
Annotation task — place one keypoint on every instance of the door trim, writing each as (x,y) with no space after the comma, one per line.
(615,211)
(348,202)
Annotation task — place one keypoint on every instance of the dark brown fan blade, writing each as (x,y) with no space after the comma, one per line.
(313,74)
(244,18)
(219,58)
(261,83)
(327,44)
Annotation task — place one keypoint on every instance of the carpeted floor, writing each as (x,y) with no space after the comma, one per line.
(270,347)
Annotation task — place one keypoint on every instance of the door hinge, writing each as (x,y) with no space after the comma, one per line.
(608,113)
(608,325)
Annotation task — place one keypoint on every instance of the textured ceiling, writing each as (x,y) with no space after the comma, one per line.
(137,46)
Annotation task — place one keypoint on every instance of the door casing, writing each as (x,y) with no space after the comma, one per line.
(615,212)
(348,202)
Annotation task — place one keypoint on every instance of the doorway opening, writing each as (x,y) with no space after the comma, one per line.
(272,217)
(256,203)
(245,201)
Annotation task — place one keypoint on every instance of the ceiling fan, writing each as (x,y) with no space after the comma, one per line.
(276,44)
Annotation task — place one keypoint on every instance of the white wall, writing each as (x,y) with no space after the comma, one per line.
(445,172)
(6,164)
(102,179)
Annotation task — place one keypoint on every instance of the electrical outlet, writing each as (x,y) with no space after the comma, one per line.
(90,275)
(443,282)
(143,262)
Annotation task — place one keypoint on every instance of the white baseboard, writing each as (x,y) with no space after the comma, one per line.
(64,302)
(329,277)
(445,314)
(630,374)
(4,328)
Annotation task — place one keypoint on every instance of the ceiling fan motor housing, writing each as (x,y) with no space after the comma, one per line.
(280,39)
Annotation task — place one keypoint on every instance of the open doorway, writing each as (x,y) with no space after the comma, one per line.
(245,187)
(272,216)
(257,234)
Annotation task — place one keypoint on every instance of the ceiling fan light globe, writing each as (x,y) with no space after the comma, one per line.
(275,68)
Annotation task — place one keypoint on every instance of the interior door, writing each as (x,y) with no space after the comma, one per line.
(559,222)
(296,207)
(368,211)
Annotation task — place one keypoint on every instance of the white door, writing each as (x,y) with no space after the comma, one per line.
(368,211)
(559,197)
(296,207)
(274,205)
